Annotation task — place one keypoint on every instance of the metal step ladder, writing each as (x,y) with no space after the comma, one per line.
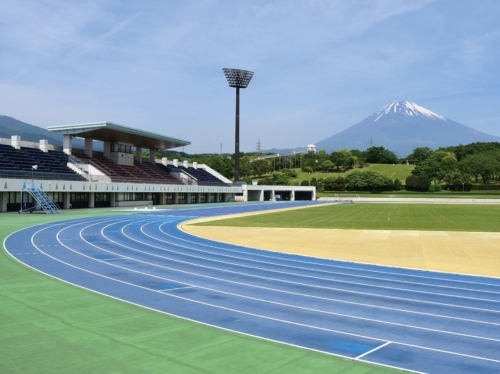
(41,197)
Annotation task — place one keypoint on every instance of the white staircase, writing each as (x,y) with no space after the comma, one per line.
(41,197)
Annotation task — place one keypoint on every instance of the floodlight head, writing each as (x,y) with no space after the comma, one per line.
(238,78)
(35,167)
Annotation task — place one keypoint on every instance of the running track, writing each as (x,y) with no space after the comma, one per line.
(420,321)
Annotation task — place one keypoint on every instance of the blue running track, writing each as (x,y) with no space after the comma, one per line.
(419,321)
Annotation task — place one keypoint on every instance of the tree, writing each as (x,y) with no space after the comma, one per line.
(482,164)
(418,183)
(260,167)
(436,166)
(280,179)
(397,184)
(327,165)
(420,154)
(343,159)
(458,180)
(368,181)
(222,165)
(329,184)
(380,155)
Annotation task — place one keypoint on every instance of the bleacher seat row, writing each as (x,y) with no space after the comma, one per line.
(18,163)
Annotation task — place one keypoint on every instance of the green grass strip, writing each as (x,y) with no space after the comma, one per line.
(48,326)
(378,216)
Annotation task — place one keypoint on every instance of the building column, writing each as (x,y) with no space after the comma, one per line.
(107,150)
(91,199)
(3,201)
(176,198)
(66,201)
(88,147)
(67,144)
(152,156)
(138,154)
(112,199)
(188,198)
(292,195)
(273,197)
(163,196)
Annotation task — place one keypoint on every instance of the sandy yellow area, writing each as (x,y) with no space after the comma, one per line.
(449,251)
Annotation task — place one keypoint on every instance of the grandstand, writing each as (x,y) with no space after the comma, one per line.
(117,176)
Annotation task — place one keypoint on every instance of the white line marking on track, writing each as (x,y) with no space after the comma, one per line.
(291,282)
(320,278)
(252,298)
(373,350)
(256,315)
(339,266)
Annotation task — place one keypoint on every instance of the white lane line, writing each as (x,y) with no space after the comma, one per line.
(289,292)
(430,285)
(333,260)
(280,280)
(373,350)
(310,276)
(262,316)
(177,288)
(185,318)
(293,274)
(262,300)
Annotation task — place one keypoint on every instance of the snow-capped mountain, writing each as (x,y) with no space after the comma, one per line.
(401,127)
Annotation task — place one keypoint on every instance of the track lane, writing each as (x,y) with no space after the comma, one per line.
(256,292)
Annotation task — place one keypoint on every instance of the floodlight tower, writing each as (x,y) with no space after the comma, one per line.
(238,79)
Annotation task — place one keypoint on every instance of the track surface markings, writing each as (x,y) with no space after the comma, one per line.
(419,321)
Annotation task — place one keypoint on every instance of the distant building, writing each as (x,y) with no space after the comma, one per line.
(311,148)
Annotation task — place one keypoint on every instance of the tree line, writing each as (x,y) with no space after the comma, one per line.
(456,168)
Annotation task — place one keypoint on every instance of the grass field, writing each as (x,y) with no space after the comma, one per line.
(47,326)
(428,217)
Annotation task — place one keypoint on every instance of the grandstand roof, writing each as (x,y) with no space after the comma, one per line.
(114,133)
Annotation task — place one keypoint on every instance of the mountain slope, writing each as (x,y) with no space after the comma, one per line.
(401,127)
(10,126)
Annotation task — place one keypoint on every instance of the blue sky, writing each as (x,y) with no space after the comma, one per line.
(320,66)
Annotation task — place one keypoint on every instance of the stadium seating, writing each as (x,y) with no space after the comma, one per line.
(18,163)
(144,172)
(203,176)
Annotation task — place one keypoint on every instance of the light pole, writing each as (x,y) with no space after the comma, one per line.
(238,79)
(33,168)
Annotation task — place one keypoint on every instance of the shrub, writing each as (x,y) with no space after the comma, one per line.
(397,184)
(304,183)
(290,173)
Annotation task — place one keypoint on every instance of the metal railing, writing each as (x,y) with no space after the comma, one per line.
(25,174)
(42,198)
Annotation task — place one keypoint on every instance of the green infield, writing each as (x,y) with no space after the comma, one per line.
(48,326)
(378,216)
